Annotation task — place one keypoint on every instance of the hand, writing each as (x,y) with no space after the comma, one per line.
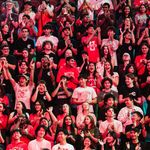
(50,109)
(32,64)
(98,29)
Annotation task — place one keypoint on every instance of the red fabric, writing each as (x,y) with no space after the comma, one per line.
(4,100)
(17,146)
(3,121)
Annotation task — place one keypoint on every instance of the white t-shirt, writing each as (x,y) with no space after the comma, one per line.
(85,94)
(39,145)
(43,38)
(117,125)
(23,94)
(63,147)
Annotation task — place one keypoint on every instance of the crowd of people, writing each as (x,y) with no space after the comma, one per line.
(75,75)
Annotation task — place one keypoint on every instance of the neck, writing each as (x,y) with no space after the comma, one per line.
(109,119)
(16,141)
(135,141)
(85,112)
(24,38)
(39,138)
(63,142)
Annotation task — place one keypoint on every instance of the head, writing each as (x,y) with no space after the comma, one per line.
(47,45)
(111,31)
(66,109)
(144,48)
(45,122)
(41,86)
(90,29)
(111,137)
(134,134)
(129,79)
(20,106)
(89,121)
(108,66)
(105,51)
(126,57)
(92,67)
(23,80)
(67,121)
(106,7)
(16,134)
(5,50)
(142,8)
(106,83)
(87,142)
(25,53)
(24,32)
(27,5)
(68,53)
(109,100)
(47,29)
(2,107)
(61,136)
(136,116)
(39,106)
(9,4)
(109,112)
(130,68)
(23,66)
(66,31)
(82,80)
(127,10)
(70,61)
(129,101)
(25,18)
(5,28)
(40,131)
(85,106)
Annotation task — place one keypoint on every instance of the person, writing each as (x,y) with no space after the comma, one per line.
(81,116)
(39,143)
(82,94)
(106,88)
(47,28)
(130,89)
(124,114)
(23,89)
(70,71)
(110,124)
(87,143)
(105,19)
(44,15)
(41,93)
(134,143)
(61,140)
(91,43)
(70,129)
(23,42)
(3,124)
(66,110)
(16,143)
(112,43)
(61,94)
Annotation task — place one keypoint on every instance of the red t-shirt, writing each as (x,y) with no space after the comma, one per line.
(92,49)
(17,146)
(3,121)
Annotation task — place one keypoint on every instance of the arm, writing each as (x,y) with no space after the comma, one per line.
(32,68)
(35,95)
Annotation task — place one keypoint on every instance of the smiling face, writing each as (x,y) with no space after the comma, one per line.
(38,106)
(41,132)
(87,142)
(68,121)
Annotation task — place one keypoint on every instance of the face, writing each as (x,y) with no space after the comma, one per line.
(48,46)
(44,122)
(127,22)
(38,106)
(25,53)
(9,5)
(148,66)
(105,8)
(110,101)
(110,113)
(135,117)
(107,84)
(47,32)
(110,138)
(25,33)
(134,135)
(110,33)
(19,106)
(91,67)
(85,106)
(145,49)
(22,81)
(16,135)
(90,30)
(66,32)
(82,82)
(68,53)
(128,81)
(41,87)
(1,107)
(131,69)
(127,10)
(126,58)
(23,66)
(27,7)
(87,120)
(61,136)
(128,102)
(87,142)
(5,28)
(106,50)
(5,51)
(71,62)
(142,9)
(107,66)
(65,108)
(68,120)
(41,133)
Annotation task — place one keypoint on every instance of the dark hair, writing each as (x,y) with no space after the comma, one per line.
(138,113)
(106,79)
(91,121)
(2,92)
(146,44)
(72,126)
(106,4)
(94,73)
(123,12)
(42,106)
(46,42)
(41,82)
(84,76)
(69,58)
(102,53)
(39,127)
(5,109)
(111,70)
(24,28)
(131,65)
(107,96)
(27,16)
